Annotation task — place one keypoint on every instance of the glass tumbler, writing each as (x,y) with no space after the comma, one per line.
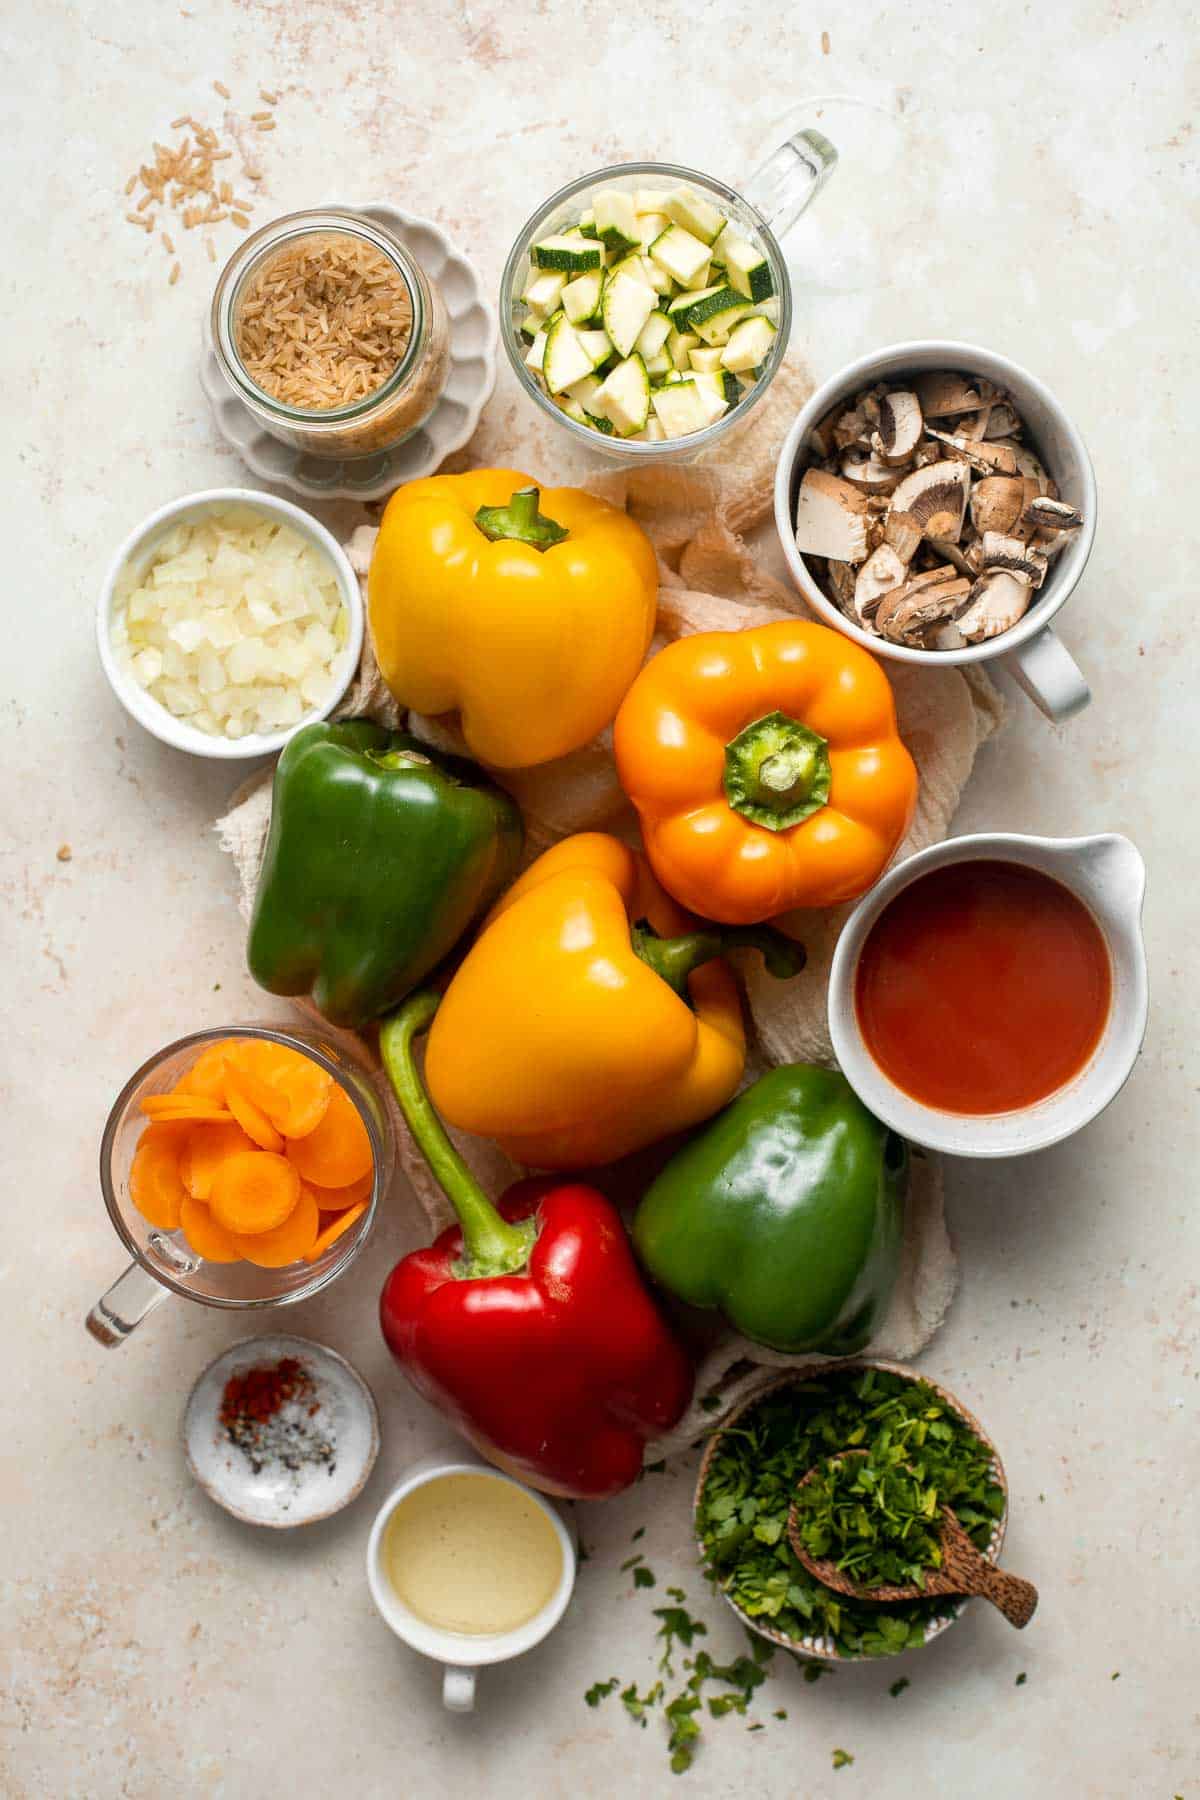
(163,1261)
(773,199)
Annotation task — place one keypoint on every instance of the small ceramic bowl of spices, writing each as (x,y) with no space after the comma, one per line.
(748,1479)
(281,1431)
(331,334)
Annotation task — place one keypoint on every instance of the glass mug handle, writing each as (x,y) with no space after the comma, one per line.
(790,179)
(132,1297)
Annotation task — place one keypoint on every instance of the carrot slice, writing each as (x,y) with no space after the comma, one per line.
(207,1238)
(204,1150)
(332,1231)
(249,1115)
(291,1088)
(154,1184)
(254,1191)
(184,1107)
(332,1200)
(338,1152)
(287,1243)
(207,1074)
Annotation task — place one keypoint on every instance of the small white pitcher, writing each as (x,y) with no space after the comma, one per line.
(1108,875)
(459,1653)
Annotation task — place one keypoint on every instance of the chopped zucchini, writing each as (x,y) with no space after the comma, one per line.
(749,344)
(653,335)
(659,365)
(585,391)
(680,254)
(697,216)
(651,225)
(722,385)
(581,297)
(679,347)
(542,291)
(683,305)
(572,409)
(679,408)
(748,269)
(769,309)
(625,305)
(536,354)
(616,222)
(654,433)
(597,345)
(566,359)
(705,358)
(625,396)
(569,252)
(650,200)
(716,312)
(711,389)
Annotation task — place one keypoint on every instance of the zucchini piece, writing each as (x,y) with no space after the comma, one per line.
(597,345)
(535,356)
(715,303)
(653,335)
(651,225)
(581,297)
(584,391)
(679,347)
(720,384)
(711,389)
(543,289)
(625,306)
(748,269)
(679,408)
(568,251)
(659,365)
(650,200)
(566,359)
(616,222)
(682,307)
(769,309)
(717,327)
(749,343)
(625,396)
(683,256)
(697,216)
(572,408)
(654,433)
(705,358)
(586,219)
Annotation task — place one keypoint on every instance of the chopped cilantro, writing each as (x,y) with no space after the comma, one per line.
(600,1690)
(1021,1679)
(639,1533)
(842,1759)
(898,1687)
(813,1671)
(643,1577)
(678,1627)
(780,1713)
(637,1705)
(630,1561)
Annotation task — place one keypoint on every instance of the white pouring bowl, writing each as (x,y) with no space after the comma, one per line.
(139,547)
(1030,651)
(1108,875)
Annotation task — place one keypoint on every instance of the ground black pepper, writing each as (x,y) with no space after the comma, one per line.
(269,1413)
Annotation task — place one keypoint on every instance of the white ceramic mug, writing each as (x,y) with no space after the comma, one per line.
(1030,651)
(1108,875)
(461,1653)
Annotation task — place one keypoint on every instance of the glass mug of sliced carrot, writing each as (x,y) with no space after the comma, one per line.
(241,1168)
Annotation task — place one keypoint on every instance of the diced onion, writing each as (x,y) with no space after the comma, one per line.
(235,624)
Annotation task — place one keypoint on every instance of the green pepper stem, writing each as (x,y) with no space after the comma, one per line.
(675,958)
(777,772)
(493,1246)
(521,522)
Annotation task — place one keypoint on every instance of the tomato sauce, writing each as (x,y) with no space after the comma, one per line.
(983,987)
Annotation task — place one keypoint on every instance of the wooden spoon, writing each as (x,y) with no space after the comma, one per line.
(964,1570)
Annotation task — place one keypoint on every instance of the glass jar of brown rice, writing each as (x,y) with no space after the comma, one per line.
(331,334)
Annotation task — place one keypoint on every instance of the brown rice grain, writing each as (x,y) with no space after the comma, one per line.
(168,246)
(174,275)
(222,90)
(265,125)
(260,115)
(240,220)
(179,123)
(211,248)
(271,99)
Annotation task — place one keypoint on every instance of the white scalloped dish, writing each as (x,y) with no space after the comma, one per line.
(469,382)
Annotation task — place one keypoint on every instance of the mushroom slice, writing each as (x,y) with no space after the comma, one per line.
(853,427)
(909,613)
(900,427)
(1027,464)
(936,496)
(841,582)
(1045,514)
(882,571)
(989,459)
(998,599)
(953,554)
(1003,421)
(867,472)
(829,518)
(821,438)
(1014,554)
(996,502)
(902,533)
(944,392)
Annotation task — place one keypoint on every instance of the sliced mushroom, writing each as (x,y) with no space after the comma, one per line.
(868,472)
(989,459)
(900,427)
(829,518)
(821,439)
(1045,514)
(996,602)
(853,427)
(936,496)
(841,580)
(946,637)
(951,553)
(945,392)
(882,571)
(1027,464)
(906,615)
(903,534)
(1003,421)
(996,502)
(1014,554)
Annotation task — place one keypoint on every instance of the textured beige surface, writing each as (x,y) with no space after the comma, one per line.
(1036,190)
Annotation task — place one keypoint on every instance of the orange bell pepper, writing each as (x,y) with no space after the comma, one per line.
(766,769)
(578,1029)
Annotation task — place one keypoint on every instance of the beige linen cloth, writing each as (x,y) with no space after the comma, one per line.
(697,517)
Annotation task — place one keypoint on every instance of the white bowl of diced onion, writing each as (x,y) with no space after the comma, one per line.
(227,620)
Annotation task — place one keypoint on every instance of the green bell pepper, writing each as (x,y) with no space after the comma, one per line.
(785,1213)
(381,854)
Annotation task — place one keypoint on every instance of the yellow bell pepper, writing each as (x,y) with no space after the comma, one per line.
(578,1029)
(530,624)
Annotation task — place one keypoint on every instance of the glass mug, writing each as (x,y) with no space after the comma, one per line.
(163,1261)
(773,199)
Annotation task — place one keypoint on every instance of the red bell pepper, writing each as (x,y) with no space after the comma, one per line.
(528,1323)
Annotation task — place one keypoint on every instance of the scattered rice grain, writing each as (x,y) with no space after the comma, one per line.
(240,220)
(168,246)
(131,184)
(222,90)
(271,99)
(174,275)
(260,115)
(265,125)
(211,248)
(179,123)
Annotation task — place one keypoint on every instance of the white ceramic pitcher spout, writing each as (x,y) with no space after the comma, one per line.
(1107,874)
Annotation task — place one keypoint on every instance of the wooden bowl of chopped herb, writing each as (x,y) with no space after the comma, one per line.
(755,1461)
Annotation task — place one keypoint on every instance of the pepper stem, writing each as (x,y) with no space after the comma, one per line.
(777,772)
(521,521)
(492,1245)
(675,958)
